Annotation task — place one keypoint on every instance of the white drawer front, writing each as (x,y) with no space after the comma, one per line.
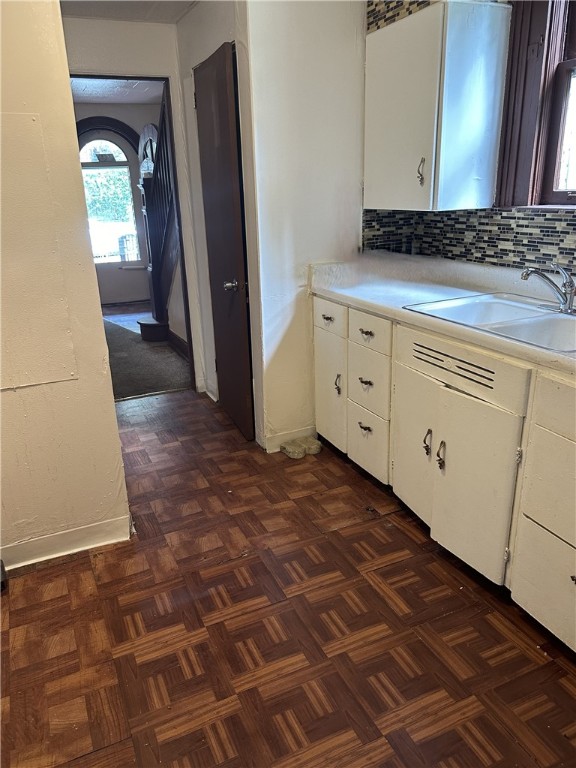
(368,440)
(543,579)
(370,331)
(549,487)
(330,316)
(555,406)
(468,369)
(369,379)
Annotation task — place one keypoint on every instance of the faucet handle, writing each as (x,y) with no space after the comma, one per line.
(566,276)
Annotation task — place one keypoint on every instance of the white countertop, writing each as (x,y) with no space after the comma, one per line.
(383,283)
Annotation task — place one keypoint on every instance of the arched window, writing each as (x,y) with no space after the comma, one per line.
(110,200)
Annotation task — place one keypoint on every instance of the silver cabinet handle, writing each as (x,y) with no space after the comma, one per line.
(231,286)
(427,445)
(364,428)
(368,334)
(365,382)
(327,319)
(441,455)
(337,386)
(419,172)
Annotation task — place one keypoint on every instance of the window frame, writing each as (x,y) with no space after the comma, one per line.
(541,38)
(132,163)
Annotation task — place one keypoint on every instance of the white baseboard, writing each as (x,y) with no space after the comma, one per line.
(273,442)
(65,542)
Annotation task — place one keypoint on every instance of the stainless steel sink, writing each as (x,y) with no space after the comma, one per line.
(506,314)
(482,309)
(553,331)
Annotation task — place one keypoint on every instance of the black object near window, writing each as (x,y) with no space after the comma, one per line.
(538,149)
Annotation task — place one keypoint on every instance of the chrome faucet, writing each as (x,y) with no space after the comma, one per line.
(565,293)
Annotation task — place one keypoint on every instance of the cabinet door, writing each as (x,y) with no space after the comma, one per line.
(402,88)
(544,579)
(414,415)
(330,376)
(474,490)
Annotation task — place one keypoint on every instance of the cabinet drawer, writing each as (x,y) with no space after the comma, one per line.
(369,379)
(543,579)
(368,438)
(370,331)
(549,484)
(555,406)
(330,316)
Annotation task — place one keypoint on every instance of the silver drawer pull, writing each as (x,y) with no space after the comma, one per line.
(365,382)
(427,445)
(420,171)
(368,334)
(441,455)
(327,319)
(364,428)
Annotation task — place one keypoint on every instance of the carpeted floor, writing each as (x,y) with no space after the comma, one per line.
(142,367)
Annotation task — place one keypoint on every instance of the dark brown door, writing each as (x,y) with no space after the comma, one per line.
(218,136)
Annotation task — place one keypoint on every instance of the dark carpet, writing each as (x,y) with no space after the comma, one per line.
(143,367)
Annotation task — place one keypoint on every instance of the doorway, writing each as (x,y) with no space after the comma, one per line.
(135,232)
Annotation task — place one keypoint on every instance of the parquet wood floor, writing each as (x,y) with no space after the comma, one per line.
(270,612)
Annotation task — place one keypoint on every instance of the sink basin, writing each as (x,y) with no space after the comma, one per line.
(556,332)
(506,314)
(482,309)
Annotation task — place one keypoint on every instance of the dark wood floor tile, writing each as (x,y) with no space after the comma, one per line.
(308,565)
(233,588)
(80,683)
(418,590)
(119,755)
(374,544)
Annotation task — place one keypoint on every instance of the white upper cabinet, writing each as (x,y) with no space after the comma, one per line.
(434,93)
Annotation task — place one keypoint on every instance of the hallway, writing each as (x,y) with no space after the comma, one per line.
(140,367)
(270,612)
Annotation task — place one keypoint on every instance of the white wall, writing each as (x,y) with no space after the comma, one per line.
(63,479)
(307,78)
(137,49)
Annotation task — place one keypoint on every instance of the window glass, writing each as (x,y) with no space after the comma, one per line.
(101,151)
(567,166)
(109,202)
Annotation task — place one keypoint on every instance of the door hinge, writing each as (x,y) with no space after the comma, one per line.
(507,555)
(519,455)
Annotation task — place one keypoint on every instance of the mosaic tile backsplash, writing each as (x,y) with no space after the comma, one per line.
(381,13)
(511,237)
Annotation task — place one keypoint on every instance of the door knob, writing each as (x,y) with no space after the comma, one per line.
(231,286)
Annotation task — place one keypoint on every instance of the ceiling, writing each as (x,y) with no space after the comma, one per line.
(161,11)
(92,90)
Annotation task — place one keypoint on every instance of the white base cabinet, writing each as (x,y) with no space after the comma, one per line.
(455,464)
(457,419)
(543,577)
(352,383)
(330,371)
